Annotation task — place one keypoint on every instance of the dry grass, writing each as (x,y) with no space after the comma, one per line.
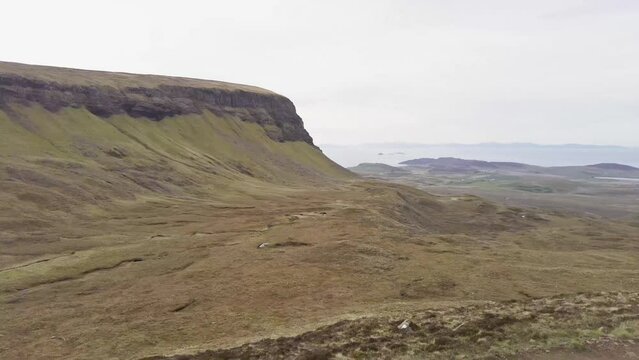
(513,329)
(117,294)
(125,238)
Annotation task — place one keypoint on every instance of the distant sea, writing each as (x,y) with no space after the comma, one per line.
(533,154)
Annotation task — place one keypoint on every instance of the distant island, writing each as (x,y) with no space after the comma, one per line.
(456,164)
(534,154)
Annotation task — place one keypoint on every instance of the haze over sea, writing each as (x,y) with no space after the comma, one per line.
(533,154)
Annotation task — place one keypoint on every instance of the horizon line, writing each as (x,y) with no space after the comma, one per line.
(634,147)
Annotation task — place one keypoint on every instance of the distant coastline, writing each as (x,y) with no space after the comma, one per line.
(534,154)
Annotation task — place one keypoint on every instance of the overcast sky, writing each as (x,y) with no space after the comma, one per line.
(421,71)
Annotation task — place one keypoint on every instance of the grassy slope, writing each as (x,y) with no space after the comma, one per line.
(197,141)
(201,150)
(175,275)
(156,252)
(60,168)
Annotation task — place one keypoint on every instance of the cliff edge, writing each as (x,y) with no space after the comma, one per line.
(148,96)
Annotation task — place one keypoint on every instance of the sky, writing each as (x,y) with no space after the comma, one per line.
(372,71)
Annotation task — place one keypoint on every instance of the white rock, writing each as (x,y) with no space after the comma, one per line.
(405,325)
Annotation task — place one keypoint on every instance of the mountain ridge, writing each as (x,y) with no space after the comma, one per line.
(77,138)
(155,97)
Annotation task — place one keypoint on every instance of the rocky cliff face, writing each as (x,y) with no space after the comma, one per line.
(151,97)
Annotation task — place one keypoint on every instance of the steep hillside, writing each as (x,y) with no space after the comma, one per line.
(74,137)
(147,96)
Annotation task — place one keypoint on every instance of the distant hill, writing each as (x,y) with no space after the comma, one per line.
(604,189)
(453,165)
(541,155)
(450,162)
(612,166)
(376,168)
(461,165)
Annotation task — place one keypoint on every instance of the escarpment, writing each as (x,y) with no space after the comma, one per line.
(148,96)
(74,138)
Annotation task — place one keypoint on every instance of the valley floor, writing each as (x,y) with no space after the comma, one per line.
(161,276)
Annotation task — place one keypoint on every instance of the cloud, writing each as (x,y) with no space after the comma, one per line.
(373,71)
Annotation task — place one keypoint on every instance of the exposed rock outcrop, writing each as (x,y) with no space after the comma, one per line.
(156,98)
